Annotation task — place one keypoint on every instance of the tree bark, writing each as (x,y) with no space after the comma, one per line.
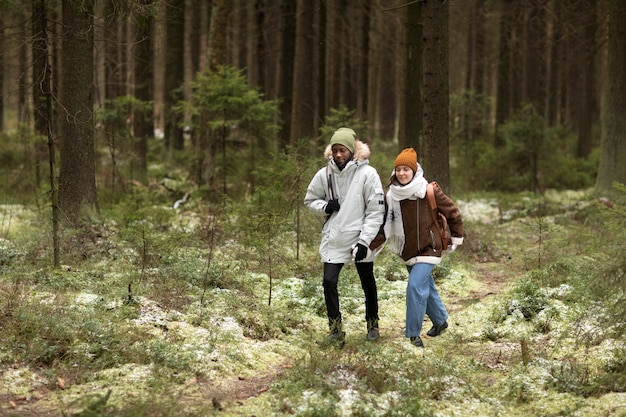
(410,125)
(320,66)
(285,72)
(504,84)
(435,94)
(174,73)
(613,141)
(143,122)
(534,80)
(587,76)
(218,39)
(362,61)
(2,48)
(41,81)
(77,185)
(302,109)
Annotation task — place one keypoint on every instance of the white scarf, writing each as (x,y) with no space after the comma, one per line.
(394,229)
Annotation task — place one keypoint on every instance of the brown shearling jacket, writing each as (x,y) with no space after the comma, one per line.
(422,242)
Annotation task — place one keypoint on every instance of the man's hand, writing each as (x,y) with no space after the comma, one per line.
(332,206)
(360,252)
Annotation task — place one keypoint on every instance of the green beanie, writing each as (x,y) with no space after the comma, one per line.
(344,136)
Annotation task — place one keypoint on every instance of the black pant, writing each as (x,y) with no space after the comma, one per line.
(368,283)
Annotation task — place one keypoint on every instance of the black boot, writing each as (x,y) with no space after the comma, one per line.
(336,337)
(437,330)
(372,330)
(417,341)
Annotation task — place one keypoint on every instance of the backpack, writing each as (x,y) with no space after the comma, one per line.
(440,219)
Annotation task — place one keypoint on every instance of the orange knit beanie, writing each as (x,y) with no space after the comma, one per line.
(407,157)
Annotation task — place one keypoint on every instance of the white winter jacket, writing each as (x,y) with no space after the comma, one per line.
(361,199)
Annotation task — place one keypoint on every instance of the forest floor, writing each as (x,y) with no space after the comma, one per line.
(469,375)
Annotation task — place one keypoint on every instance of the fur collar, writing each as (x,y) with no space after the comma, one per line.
(361,151)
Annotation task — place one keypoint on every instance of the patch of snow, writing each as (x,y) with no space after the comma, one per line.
(480,211)
(347,397)
(21,381)
(85,299)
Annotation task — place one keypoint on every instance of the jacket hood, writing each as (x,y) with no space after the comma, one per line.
(361,151)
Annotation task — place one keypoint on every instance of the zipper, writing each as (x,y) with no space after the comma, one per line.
(417,205)
(432,236)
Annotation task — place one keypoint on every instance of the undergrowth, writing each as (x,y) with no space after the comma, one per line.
(181,311)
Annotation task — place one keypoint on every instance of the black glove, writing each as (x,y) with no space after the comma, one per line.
(361,252)
(332,206)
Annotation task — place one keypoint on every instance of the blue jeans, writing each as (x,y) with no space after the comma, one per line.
(422,298)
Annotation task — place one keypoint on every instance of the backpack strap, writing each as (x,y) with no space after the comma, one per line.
(329,178)
(430,194)
(440,220)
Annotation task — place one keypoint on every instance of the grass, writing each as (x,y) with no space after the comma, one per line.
(145,318)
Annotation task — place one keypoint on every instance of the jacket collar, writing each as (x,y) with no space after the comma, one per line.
(361,152)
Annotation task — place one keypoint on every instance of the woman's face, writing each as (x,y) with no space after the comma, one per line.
(404,174)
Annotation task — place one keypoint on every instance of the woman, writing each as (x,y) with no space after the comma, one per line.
(411,232)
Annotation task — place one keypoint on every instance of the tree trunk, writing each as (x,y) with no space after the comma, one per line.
(435,92)
(320,66)
(41,80)
(77,185)
(334,55)
(587,75)
(535,58)
(174,73)
(474,80)
(285,72)
(613,141)
(256,44)
(555,50)
(40,61)
(42,97)
(143,122)
(218,39)
(2,48)
(362,62)
(409,128)
(504,84)
(302,91)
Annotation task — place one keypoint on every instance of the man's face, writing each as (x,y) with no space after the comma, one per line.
(341,155)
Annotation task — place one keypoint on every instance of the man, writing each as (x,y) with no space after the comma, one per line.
(349,194)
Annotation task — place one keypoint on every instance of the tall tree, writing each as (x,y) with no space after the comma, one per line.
(613,140)
(41,79)
(556,50)
(257,46)
(435,92)
(474,76)
(319,57)
(362,59)
(174,72)
(77,183)
(2,48)
(585,103)
(410,125)
(302,109)
(285,71)
(40,61)
(218,40)
(114,57)
(476,47)
(534,55)
(205,164)
(508,64)
(143,121)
